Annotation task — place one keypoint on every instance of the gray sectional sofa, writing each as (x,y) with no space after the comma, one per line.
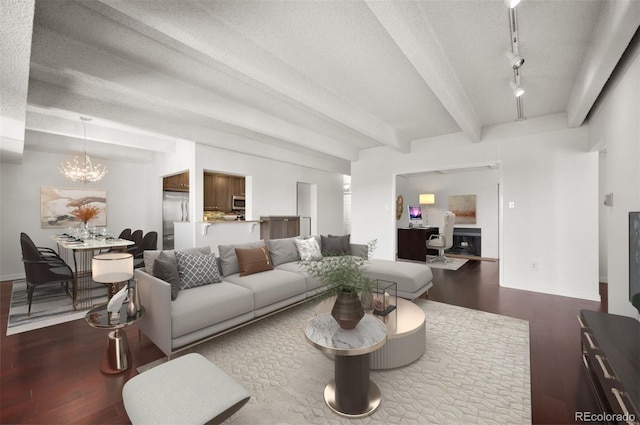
(200,313)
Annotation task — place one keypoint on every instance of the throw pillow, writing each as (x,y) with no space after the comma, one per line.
(334,245)
(151,255)
(166,268)
(346,242)
(197,270)
(228,258)
(282,251)
(253,260)
(308,248)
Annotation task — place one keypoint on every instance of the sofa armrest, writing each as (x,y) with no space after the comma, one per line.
(360,250)
(155,296)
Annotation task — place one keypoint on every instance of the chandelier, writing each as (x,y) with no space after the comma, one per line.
(83,171)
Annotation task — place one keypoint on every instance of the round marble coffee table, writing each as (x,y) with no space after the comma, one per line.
(406,340)
(351,393)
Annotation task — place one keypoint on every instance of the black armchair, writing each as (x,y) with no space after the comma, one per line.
(42,266)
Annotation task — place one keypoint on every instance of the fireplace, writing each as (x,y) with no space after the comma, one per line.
(466,241)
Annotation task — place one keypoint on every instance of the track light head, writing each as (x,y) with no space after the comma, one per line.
(517,90)
(515,60)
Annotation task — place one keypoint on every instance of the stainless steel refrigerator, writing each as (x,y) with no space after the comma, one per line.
(175,207)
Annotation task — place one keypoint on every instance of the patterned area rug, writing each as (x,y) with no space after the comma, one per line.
(475,370)
(50,306)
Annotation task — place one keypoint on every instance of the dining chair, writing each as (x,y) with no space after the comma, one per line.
(149,242)
(42,266)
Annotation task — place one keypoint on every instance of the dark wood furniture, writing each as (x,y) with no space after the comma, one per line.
(177,183)
(219,189)
(281,226)
(412,243)
(611,357)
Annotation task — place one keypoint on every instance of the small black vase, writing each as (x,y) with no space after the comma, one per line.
(347,309)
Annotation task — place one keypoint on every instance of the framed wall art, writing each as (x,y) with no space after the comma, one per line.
(464,207)
(57,205)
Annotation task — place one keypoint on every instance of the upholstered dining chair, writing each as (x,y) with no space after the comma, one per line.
(442,241)
(125,234)
(42,266)
(149,242)
(136,238)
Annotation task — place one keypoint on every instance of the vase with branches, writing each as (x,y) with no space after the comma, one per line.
(85,213)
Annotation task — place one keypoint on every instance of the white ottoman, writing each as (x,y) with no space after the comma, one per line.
(187,390)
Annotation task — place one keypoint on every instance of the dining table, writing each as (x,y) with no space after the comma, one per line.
(78,253)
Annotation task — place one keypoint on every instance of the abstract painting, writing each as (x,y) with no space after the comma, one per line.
(57,203)
(464,207)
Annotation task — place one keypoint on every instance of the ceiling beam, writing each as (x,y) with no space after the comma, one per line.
(282,81)
(616,24)
(418,42)
(16,23)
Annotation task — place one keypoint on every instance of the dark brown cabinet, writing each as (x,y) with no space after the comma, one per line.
(412,243)
(219,189)
(278,227)
(611,357)
(177,183)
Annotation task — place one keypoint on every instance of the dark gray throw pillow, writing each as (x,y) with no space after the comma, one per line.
(332,246)
(166,269)
(346,243)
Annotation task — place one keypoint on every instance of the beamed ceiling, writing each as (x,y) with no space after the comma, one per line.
(312,81)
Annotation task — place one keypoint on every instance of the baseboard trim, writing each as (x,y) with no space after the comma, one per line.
(471,257)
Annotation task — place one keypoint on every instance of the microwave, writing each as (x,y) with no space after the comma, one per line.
(237,203)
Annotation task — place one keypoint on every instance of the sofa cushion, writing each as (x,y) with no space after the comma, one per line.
(335,245)
(308,248)
(283,251)
(208,305)
(151,255)
(196,270)
(272,286)
(253,260)
(294,267)
(409,276)
(228,258)
(166,268)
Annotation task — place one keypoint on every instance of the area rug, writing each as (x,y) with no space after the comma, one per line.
(475,371)
(50,306)
(454,264)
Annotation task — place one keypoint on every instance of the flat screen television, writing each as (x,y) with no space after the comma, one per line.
(634,259)
(415,215)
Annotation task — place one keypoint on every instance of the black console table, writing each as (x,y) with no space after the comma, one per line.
(611,357)
(412,243)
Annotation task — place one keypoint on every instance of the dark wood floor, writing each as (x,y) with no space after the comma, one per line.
(52,375)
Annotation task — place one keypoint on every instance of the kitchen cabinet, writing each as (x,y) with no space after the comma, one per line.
(219,189)
(176,183)
(278,227)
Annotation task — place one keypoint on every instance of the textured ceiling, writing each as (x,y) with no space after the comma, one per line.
(321,80)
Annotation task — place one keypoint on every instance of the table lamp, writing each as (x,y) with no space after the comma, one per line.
(427,199)
(112,268)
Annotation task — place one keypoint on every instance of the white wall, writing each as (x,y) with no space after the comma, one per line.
(603,221)
(127,200)
(483,184)
(549,175)
(615,121)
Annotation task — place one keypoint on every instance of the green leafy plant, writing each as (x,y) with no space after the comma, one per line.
(340,272)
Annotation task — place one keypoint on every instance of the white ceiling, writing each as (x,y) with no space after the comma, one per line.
(320,79)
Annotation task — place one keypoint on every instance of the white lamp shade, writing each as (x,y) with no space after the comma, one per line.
(112,267)
(427,198)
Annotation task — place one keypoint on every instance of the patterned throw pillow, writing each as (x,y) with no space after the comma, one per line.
(308,249)
(197,270)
